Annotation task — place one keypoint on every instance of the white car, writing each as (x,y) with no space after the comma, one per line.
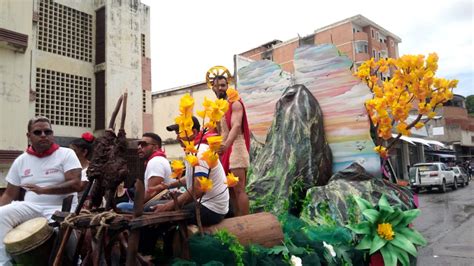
(429,175)
(461,176)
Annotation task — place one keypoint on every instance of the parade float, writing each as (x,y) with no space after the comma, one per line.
(320,144)
(319,191)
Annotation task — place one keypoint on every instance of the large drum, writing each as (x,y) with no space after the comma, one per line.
(31,242)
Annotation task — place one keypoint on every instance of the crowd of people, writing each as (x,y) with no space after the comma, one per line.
(47,173)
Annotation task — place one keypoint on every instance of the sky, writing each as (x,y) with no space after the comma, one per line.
(188,36)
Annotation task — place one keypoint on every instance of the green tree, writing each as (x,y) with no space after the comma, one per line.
(470,104)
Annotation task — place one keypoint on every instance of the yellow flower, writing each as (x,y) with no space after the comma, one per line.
(205,184)
(232,95)
(382,151)
(186,104)
(232,180)
(385,231)
(214,143)
(402,129)
(192,160)
(419,125)
(178,167)
(211,158)
(189,147)
(431,115)
(210,125)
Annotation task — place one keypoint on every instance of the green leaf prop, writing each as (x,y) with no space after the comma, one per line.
(385,229)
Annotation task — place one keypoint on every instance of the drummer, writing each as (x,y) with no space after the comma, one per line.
(47,172)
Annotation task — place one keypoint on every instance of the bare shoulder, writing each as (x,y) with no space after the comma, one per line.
(237,106)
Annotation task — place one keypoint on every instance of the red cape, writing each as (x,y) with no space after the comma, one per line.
(225,158)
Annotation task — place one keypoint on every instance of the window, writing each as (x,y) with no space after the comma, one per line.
(144,101)
(377,35)
(64,98)
(372,32)
(267,55)
(374,53)
(64,31)
(143,45)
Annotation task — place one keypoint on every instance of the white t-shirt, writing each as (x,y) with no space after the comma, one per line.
(46,171)
(216,200)
(158,166)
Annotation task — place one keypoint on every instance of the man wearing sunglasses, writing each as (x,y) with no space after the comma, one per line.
(157,169)
(47,172)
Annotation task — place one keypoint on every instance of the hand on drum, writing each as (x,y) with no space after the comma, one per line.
(31,187)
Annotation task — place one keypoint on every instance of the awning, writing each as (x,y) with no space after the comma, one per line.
(426,142)
(442,155)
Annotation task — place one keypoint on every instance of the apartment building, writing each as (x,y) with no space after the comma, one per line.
(357,37)
(70,61)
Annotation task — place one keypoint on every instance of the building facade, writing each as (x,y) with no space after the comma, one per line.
(70,61)
(455,128)
(166,109)
(357,37)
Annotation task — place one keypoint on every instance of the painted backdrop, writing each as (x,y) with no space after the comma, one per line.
(326,73)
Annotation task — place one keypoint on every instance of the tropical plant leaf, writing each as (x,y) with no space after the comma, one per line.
(377,243)
(278,250)
(365,243)
(389,259)
(360,228)
(402,242)
(414,236)
(395,218)
(409,216)
(384,205)
(401,254)
(371,215)
(363,204)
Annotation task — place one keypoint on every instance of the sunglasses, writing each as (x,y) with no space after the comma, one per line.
(47,132)
(144,144)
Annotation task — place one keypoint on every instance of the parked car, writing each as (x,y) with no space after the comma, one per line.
(461,176)
(430,175)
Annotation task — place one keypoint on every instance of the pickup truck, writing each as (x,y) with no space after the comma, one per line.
(430,175)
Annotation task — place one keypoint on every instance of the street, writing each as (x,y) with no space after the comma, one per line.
(447,223)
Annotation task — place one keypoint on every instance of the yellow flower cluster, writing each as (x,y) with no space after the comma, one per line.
(184,119)
(178,167)
(412,86)
(213,110)
(232,95)
(385,231)
(232,180)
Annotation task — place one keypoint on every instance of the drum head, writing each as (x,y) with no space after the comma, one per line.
(27,235)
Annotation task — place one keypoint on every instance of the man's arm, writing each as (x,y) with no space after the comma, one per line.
(71,184)
(152,182)
(10,194)
(162,186)
(235,126)
(182,199)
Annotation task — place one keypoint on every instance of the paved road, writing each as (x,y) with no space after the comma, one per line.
(447,223)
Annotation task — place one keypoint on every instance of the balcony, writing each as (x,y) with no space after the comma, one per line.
(361,36)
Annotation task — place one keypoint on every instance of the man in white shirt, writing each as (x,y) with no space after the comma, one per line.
(215,203)
(157,169)
(47,172)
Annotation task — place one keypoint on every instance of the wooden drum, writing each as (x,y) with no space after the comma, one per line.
(31,242)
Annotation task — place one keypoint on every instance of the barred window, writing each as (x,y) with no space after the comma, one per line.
(144,101)
(143,45)
(64,98)
(64,31)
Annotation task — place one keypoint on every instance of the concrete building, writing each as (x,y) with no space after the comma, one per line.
(357,37)
(166,108)
(70,61)
(455,128)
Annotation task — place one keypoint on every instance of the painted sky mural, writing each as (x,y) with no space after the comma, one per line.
(326,73)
